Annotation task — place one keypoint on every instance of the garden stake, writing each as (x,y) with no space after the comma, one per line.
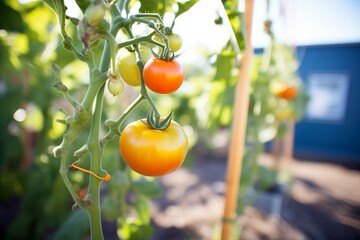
(237,141)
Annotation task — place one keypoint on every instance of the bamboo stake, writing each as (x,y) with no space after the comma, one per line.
(237,141)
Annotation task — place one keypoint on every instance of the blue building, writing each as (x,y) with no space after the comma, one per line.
(330,130)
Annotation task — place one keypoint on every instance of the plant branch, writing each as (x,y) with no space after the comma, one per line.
(115,125)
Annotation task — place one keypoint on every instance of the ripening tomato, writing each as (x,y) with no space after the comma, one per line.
(287,92)
(163,76)
(127,66)
(153,152)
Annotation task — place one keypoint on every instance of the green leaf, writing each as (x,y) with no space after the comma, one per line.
(58,6)
(142,207)
(134,230)
(224,65)
(75,227)
(113,207)
(185,6)
(150,189)
(119,184)
(83,4)
(236,19)
(11,19)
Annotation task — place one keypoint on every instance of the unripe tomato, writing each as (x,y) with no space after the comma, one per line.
(94,13)
(128,68)
(115,87)
(163,76)
(175,42)
(153,152)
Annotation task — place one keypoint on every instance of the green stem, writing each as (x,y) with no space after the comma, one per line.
(114,126)
(140,65)
(95,159)
(138,40)
(112,43)
(95,152)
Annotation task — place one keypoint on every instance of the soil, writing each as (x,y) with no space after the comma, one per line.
(323,202)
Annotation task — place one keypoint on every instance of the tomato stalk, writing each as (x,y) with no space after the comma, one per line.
(143,90)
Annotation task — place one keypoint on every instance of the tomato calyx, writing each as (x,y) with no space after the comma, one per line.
(166,55)
(157,123)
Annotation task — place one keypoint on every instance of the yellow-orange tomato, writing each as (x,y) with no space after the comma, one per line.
(153,152)
(287,92)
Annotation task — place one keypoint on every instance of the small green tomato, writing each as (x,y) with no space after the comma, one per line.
(175,42)
(94,13)
(115,87)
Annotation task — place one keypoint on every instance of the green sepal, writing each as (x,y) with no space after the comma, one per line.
(155,123)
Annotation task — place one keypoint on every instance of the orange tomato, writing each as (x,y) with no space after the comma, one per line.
(153,152)
(287,92)
(163,76)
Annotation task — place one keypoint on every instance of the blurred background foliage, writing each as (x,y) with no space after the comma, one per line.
(38,202)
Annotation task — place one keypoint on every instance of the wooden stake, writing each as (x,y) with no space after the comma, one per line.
(237,141)
(287,154)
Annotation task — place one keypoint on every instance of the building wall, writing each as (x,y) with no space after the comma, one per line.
(323,138)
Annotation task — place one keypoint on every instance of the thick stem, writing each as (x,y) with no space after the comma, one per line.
(95,152)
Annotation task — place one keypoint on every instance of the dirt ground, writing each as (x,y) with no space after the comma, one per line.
(323,202)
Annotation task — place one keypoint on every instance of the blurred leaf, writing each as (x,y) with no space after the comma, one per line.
(113,207)
(10,19)
(57,128)
(150,189)
(224,65)
(119,183)
(236,19)
(34,119)
(75,227)
(267,178)
(134,229)
(185,6)
(83,4)
(155,6)
(143,210)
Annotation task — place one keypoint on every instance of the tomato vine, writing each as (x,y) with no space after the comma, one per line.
(114,67)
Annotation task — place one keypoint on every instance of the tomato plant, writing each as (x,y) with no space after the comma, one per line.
(163,76)
(153,152)
(114,48)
